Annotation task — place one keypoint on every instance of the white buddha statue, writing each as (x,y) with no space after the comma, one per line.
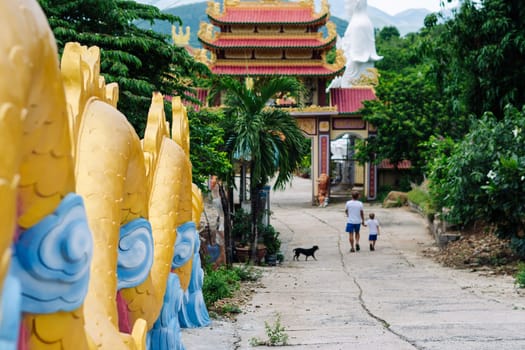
(358,45)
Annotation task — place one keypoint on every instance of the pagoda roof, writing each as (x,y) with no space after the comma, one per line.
(267,12)
(350,100)
(223,40)
(297,68)
(274,41)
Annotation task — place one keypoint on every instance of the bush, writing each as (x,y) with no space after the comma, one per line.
(241,227)
(482,177)
(247,273)
(219,284)
(520,276)
(270,239)
(423,200)
(231,309)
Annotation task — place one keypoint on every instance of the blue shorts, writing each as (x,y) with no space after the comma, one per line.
(372,237)
(351,228)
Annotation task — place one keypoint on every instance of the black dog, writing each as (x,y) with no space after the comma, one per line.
(306,251)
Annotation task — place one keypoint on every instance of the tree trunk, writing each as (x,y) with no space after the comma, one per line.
(228,243)
(254,198)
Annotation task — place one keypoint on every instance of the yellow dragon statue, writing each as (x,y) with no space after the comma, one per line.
(61,134)
(46,245)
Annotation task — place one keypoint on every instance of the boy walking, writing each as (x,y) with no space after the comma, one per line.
(373,227)
(354,213)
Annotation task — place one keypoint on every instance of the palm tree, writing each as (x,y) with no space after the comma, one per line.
(267,139)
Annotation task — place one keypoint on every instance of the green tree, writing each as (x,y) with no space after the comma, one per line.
(387,33)
(140,61)
(409,109)
(208,155)
(399,53)
(407,112)
(268,139)
(481,54)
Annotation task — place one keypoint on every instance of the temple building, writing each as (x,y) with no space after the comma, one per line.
(276,38)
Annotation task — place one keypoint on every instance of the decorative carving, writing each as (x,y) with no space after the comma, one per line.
(340,60)
(80,68)
(331,30)
(135,253)
(368,78)
(180,38)
(348,123)
(231,3)
(52,259)
(214,8)
(325,8)
(313,109)
(206,32)
(201,55)
(307,125)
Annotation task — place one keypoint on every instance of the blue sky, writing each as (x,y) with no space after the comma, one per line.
(393,7)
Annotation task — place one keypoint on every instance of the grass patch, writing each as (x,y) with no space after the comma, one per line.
(219,284)
(520,276)
(231,309)
(222,287)
(423,200)
(247,273)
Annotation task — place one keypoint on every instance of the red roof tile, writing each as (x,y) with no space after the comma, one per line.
(268,42)
(403,165)
(268,15)
(202,96)
(280,69)
(349,100)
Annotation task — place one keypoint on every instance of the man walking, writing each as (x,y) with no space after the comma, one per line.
(355,215)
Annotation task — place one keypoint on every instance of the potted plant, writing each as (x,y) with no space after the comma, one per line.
(241,229)
(272,242)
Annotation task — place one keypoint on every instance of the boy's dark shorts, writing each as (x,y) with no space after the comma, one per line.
(372,237)
(351,228)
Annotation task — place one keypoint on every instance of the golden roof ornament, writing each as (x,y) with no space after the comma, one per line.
(201,55)
(369,78)
(249,83)
(325,7)
(214,8)
(180,38)
(206,31)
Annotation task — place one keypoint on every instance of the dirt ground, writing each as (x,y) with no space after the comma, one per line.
(478,249)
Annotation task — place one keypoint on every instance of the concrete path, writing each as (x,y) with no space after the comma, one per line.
(391,298)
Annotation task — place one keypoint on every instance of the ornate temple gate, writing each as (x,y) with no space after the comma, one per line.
(335,131)
(316,126)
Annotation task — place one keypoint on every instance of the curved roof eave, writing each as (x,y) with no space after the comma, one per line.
(210,45)
(318,20)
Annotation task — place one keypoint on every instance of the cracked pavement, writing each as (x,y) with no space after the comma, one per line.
(390,298)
